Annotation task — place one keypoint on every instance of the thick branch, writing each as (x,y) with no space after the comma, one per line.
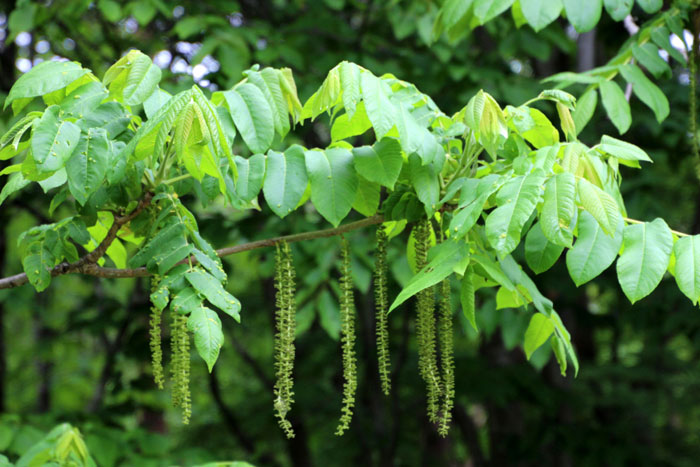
(88,264)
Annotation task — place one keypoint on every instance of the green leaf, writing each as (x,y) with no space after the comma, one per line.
(474,194)
(141,80)
(516,200)
(594,250)
(540,13)
(379,108)
(600,204)
(650,6)
(537,333)
(467,299)
(37,261)
(208,336)
(486,10)
(15,183)
(646,251)
(285,180)
(648,56)
(252,115)
(345,127)
(251,172)
(425,180)
(558,216)
(349,74)
(648,92)
(213,291)
(443,259)
(168,237)
(380,163)
(44,78)
(333,182)
(268,82)
(583,15)
(186,301)
(155,101)
(540,253)
(585,107)
(622,149)
(53,141)
(367,198)
(543,133)
(87,167)
(618,9)
(616,105)
(559,353)
(687,253)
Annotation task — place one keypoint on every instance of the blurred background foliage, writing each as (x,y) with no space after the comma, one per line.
(78,352)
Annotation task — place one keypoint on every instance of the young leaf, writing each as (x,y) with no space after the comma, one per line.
(208,336)
(594,251)
(379,108)
(558,216)
(252,115)
(644,259)
(285,180)
(537,333)
(474,194)
(142,79)
(349,74)
(616,105)
(540,253)
(444,258)
(213,291)
(600,204)
(648,92)
(380,163)
(516,200)
(687,253)
(583,15)
(333,182)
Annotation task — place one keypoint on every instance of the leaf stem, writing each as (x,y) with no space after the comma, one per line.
(635,221)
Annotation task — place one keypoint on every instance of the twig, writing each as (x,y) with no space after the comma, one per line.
(87,265)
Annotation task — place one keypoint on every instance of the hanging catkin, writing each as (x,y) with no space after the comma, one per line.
(445,338)
(425,326)
(347,333)
(285,322)
(180,365)
(154,333)
(381,299)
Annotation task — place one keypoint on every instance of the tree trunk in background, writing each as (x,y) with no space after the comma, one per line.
(585,59)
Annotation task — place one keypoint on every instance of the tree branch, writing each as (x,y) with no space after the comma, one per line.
(88,266)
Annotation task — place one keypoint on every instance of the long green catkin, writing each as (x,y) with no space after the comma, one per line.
(425,326)
(180,365)
(154,333)
(446,357)
(347,332)
(285,322)
(381,298)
